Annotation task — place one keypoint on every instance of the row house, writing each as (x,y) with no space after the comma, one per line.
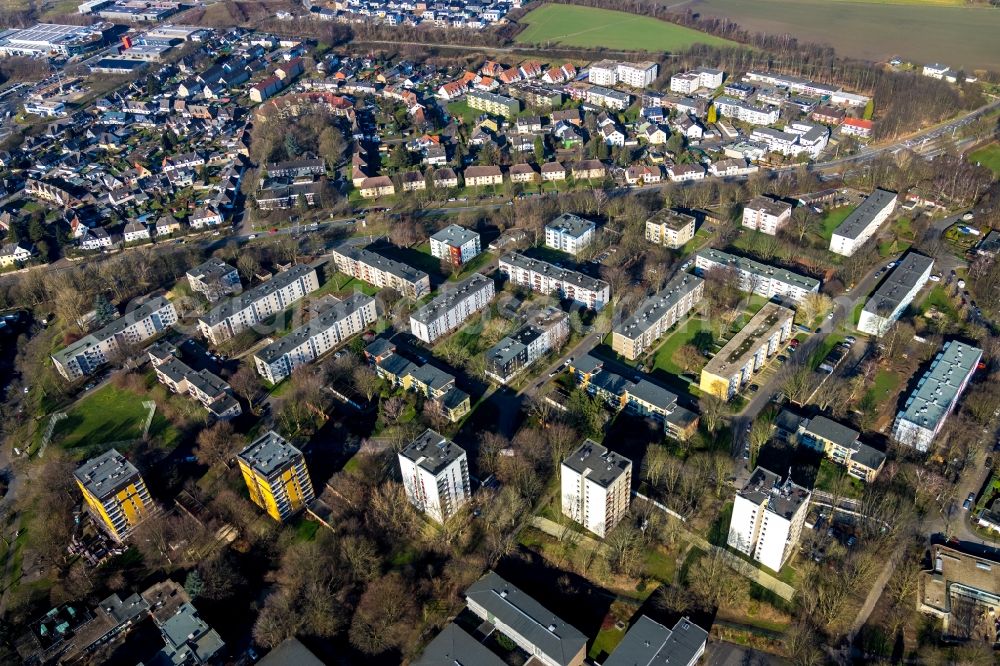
(214,394)
(431,382)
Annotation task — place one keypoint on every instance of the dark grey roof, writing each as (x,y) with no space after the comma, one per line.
(213,269)
(431,376)
(240,303)
(557,640)
(770,206)
(762,270)
(454,647)
(316,326)
(290,652)
(269,453)
(111,330)
(455,235)
(652,393)
(574,225)
(587,363)
(783,499)
(649,643)
(600,465)
(380,346)
(832,431)
(657,305)
(551,270)
(788,421)
(454,397)
(105,474)
(450,296)
(861,217)
(899,283)
(867,456)
(433,451)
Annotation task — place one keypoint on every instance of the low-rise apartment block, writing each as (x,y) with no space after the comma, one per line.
(596,487)
(455,646)
(456,245)
(609,73)
(380,271)
(546,278)
(534,628)
(766,215)
(545,332)
(747,352)
(86,355)
(435,474)
(214,279)
(608,98)
(114,493)
(334,322)
(702,77)
(895,294)
(214,394)
(434,384)
(936,394)
(670,228)
(650,643)
(498,105)
(757,278)
(255,305)
(767,518)
(276,476)
(746,112)
(863,222)
(569,233)
(836,441)
(634,336)
(962,588)
(452,307)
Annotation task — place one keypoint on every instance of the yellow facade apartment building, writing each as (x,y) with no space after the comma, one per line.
(114,492)
(276,476)
(747,352)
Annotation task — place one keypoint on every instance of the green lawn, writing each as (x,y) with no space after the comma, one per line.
(461,109)
(345,284)
(107,415)
(832,221)
(472,266)
(988,157)
(571,25)
(686,333)
(606,641)
(939,300)
(827,477)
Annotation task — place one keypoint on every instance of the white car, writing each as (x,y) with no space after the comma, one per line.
(935,278)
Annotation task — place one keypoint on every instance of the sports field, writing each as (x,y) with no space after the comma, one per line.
(988,157)
(921,31)
(588,27)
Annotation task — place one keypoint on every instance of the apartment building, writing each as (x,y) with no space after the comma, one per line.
(381,271)
(670,228)
(746,353)
(334,322)
(569,233)
(435,474)
(702,77)
(498,105)
(545,332)
(456,303)
(114,493)
(757,278)
(928,406)
(962,588)
(746,112)
(456,245)
(652,644)
(894,295)
(767,518)
(766,215)
(434,384)
(455,646)
(608,98)
(634,336)
(276,476)
(546,278)
(839,443)
(255,305)
(214,394)
(863,222)
(596,487)
(534,628)
(214,279)
(609,73)
(86,355)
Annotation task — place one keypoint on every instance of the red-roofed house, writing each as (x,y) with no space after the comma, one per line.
(857,127)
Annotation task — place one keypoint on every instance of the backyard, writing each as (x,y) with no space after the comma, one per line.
(692,331)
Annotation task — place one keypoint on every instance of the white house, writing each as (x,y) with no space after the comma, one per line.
(569,233)
(596,486)
(13,254)
(767,518)
(766,215)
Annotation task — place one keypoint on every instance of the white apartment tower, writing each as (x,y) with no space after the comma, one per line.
(569,233)
(596,487)
(766,215)
(435,474)
(456,245)
(767,518)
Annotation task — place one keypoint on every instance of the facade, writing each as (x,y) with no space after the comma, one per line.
(335,322)
(863,222)
(936,394)
(766,215)
(481,176)
(452,307)
(214,394)
(545,332)
(857,127)
(380,271)
(92,351)
(214,279)
(962,588)
(569,233)
(634,336)
(254,306)
(434,384)
(534,628)
(608,98)
(596,487)
(702,77)
(895,294)
(114,492)
(670,228)
(746,353)
(377,186)
(546,278)
(435,474)
(767,518)
(841,445)
(276,476)
(498,105)
(652,644)
(456,245)
(609,73)
(746,112)
(757,278)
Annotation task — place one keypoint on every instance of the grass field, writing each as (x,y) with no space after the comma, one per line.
(106,415)
(833,220)
(921,31)
(683,335)
(588,27)
(988,157)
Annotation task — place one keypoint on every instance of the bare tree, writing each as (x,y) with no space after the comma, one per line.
(216,444)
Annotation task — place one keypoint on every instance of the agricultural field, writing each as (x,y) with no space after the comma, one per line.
(922,31)
(588,27)
(988,157)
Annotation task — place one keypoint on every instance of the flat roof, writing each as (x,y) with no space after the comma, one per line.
(433,452)
(744,344)
(862,216)
(105,474)
(656,306)
(555,272)
(269,453)
(213,269)
(897,286)
(574,225)
(242,302)
(649,643)
(763,270)
(455,235)
(939,386)
(597,463)
(111,330)
(783,499)
(453,294)
(672,219)
(376,260)
(333,313)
